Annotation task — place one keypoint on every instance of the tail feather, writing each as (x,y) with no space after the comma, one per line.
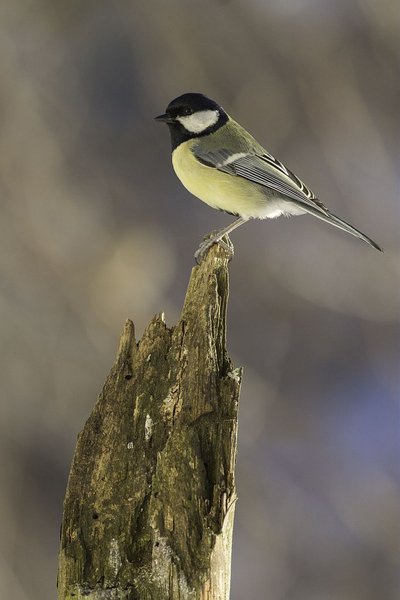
(332,219)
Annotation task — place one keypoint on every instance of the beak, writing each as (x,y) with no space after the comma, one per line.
(164,118)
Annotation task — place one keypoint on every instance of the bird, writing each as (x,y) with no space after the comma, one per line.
(223,165)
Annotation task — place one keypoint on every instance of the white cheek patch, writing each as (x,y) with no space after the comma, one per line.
(199,121)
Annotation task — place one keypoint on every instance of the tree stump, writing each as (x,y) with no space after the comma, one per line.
(149,506)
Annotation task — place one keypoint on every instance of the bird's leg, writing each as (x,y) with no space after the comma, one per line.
(216,238)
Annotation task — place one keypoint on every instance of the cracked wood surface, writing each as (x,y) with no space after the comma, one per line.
(148,511)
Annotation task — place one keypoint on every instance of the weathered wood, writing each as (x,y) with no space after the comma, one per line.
(148,512)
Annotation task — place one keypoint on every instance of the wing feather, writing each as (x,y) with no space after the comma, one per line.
(263,169)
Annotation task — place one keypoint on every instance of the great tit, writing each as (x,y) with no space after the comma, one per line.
(218,161)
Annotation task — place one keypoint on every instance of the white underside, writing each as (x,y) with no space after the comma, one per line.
(276,208)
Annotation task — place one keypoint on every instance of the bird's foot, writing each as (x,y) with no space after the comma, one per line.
(210,240)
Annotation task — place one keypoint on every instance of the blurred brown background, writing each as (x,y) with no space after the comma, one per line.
(95,228)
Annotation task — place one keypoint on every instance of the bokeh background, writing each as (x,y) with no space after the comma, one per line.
(96,228)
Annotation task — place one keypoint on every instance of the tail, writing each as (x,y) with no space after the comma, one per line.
(328,217)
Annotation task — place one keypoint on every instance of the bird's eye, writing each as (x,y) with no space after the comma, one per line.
(187,111)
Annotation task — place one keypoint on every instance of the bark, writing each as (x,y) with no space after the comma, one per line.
(149,506)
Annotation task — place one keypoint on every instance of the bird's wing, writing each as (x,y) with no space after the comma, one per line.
(261,168)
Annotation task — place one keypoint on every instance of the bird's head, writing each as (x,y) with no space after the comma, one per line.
(193,115)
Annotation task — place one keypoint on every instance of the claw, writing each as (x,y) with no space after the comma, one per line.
(202,249)
(229,249)
(206,245)
(216,238)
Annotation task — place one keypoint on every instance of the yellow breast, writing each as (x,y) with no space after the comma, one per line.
(217,189)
